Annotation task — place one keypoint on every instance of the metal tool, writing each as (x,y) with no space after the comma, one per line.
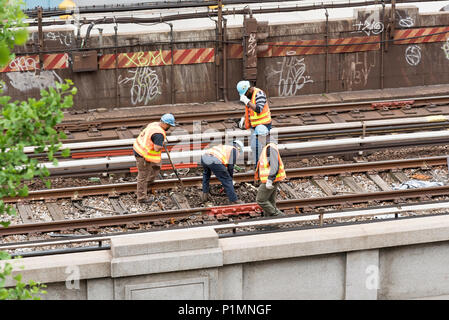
(173,166)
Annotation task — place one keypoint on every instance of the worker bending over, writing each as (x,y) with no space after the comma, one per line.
(220,160)
(147,150)
(257,111)
(270,171)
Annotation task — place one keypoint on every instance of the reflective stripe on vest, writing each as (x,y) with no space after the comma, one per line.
(145,147)
(221,152)
(263,166)
(252,119)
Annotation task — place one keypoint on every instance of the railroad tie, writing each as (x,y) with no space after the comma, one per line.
(379,182)
(55,211)
(25,213)
(350,182)
(323,185)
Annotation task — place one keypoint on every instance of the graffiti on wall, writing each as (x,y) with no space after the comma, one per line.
(371,25)
(356,72)
(26,76)
(291,76)
(64,38)
(413,55)
(445,48)
(145,85)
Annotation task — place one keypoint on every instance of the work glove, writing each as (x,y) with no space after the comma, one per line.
(244,99)
(242,123)
(269,185)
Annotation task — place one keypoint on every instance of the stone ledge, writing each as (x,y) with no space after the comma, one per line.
(334,239)
(164,241)
(60,267)
(166,262)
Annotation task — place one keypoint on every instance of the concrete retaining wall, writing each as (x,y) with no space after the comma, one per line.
(291,74)
(403,259)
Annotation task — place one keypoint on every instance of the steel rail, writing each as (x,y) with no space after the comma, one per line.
(380,212)
(185,213)
(118,188)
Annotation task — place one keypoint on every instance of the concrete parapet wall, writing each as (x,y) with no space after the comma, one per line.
(402,259)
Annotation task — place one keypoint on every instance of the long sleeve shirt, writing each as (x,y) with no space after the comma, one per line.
(261,100)
(273,160)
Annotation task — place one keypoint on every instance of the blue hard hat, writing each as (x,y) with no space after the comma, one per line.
(243,86)
(261,130)
(168,118)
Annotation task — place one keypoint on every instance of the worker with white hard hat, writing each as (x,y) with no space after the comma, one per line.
(147,150)
(220,160)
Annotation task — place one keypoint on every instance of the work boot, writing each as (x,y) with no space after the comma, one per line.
(237,202)
(205,197)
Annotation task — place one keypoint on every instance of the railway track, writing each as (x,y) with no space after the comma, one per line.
(129,127)
(309,190)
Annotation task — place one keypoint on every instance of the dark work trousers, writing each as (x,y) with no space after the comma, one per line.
(147,172)
(266,199)
(211,164)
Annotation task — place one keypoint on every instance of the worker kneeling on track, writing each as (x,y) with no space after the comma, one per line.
(147,150)
(270,171)
(220,160)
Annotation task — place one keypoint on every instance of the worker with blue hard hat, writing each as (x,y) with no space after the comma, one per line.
(257,111)
(147,150)
(220,160)
(257,144)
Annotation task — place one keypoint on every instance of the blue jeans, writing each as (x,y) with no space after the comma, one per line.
(256,147)
(211,164)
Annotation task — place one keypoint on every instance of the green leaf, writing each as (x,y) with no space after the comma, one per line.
(20,37)
(4,54)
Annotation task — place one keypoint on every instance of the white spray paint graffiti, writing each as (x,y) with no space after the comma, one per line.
(371,25)
(412,52)
(291,76)
(64,38)
(23,63)
(356,74)
(413,55)
(24,81)
(144,85)
(252,44)
(445,48)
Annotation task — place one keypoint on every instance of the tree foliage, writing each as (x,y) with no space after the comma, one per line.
(25,123)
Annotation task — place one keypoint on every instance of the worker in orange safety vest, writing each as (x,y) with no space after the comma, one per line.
(257,112)
(147,150)
(270,172)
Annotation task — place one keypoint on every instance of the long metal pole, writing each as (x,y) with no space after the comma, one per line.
(173,166)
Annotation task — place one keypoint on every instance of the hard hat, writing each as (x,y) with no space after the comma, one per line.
(243,86)
(238,144)
(168,118)
(261,130)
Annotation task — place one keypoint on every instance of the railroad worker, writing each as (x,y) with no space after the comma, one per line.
(220,160)
(257,111)
(270,171)
(147,150)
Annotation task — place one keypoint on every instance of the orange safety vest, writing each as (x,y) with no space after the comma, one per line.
(263,166)
(252,119)
(145,147)
(221,152)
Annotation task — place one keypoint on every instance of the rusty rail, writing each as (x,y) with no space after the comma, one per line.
(184,213)
(115,189)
